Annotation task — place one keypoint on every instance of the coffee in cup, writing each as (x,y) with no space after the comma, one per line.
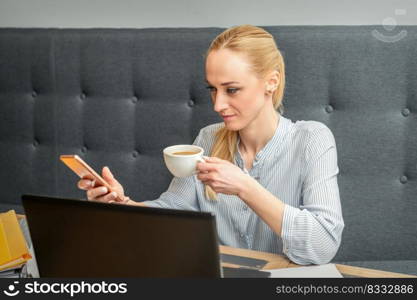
(181,160)
(185,153)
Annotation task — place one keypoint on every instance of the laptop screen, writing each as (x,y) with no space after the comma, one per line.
(78,238)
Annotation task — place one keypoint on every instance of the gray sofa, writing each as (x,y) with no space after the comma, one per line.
(117,97)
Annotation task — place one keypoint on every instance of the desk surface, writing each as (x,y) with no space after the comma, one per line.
(276,261)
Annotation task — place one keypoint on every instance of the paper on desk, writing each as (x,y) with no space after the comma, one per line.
(31,265)
(322,271)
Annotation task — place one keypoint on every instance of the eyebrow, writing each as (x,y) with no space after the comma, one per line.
(224,83)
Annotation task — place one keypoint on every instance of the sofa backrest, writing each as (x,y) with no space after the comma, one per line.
(117,97)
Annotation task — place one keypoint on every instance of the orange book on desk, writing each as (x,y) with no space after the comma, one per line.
(13,247)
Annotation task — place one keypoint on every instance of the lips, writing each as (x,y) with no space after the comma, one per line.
(227,117)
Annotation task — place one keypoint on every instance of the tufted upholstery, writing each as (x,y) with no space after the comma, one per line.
(117,97)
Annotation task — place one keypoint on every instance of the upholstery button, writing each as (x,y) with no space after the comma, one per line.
(191,103)
(405,112)
(34,94)
(35,143)
(329,109)
(135,100)
(135,153)
(403,179)
(83,96)
(84,149)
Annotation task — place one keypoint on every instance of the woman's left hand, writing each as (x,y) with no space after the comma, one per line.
(222,176)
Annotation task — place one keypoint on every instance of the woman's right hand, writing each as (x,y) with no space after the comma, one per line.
(97,192)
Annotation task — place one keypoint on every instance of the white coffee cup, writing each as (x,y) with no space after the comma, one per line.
(181,160)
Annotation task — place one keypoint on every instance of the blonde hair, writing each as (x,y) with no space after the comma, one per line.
(259,47)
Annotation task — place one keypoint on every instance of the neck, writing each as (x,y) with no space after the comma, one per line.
(260,131)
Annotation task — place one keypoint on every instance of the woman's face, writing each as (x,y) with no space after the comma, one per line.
(238,95)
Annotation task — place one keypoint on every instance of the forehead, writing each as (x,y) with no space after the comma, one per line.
(226,65)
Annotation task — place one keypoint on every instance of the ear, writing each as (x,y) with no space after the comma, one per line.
(272,82)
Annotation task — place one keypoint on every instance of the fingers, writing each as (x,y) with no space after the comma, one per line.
(206,167)
(108,198)
(210,164)
(86,184)
(125,201)
(108,176)
(94,193)
(213,159)
(107,171)
(206,177)
(97,192)
(206,170)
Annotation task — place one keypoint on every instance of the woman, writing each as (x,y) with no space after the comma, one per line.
(271,183)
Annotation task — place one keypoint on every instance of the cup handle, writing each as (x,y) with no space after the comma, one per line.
(202,159)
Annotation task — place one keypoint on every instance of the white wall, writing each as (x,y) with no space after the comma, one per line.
(203,13)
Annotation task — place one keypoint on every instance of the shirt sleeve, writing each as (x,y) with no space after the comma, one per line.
(181,193)
(312,233)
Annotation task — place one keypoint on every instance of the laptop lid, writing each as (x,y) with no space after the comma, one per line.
(78,238)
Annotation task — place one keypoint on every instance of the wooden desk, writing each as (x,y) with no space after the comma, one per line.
(276,261)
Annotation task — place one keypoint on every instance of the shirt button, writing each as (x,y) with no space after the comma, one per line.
(405,112)
(245,208)
(329,109)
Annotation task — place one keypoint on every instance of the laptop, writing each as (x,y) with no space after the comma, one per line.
(79,238)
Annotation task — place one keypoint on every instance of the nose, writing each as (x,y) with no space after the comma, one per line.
(220,102)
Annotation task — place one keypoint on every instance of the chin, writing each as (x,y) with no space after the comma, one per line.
(233,126)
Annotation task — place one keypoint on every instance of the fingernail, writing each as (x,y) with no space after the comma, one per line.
(103,189)
(114,195)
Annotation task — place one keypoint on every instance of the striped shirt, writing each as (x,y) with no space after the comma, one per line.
(299,166)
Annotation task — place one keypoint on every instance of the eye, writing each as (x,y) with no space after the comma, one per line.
(232,90)
(211,88)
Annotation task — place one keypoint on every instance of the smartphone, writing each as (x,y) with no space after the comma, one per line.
(82,169)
